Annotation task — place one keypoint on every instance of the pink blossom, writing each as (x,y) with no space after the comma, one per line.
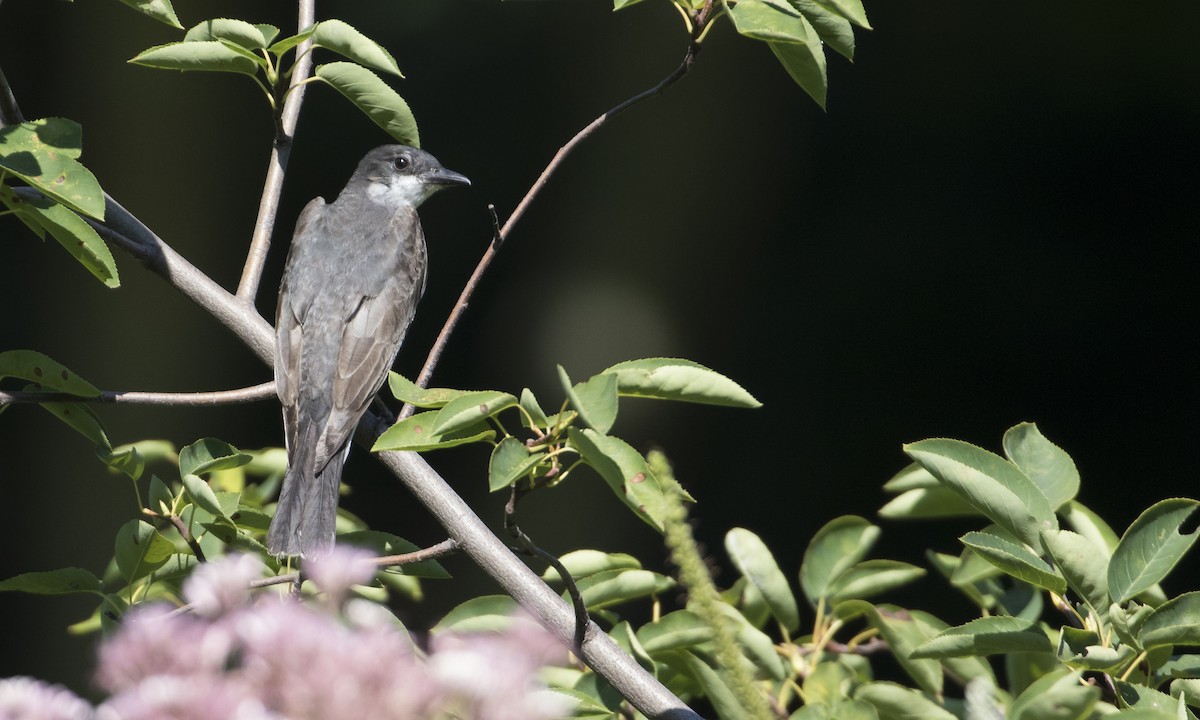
(23,698)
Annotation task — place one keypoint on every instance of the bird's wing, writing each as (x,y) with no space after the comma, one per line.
(289,324)
(373,334)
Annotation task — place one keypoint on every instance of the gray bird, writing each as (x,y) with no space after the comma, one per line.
(354,274)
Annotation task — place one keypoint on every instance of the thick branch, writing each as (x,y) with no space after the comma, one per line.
(262,391)
(268,205)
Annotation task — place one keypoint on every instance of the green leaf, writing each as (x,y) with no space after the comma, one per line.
(384,544)
(126,460)
(1082,650)
(613,587)
(416,434)
(622,4)
(1016,560)
(1058,694)
(896,702)
(805,63)
(678,379)
(160,10)
(162,499)
(927,503)
(510,461)
(45,371)
(374,97)
(755,561)
(210,55)
(202,494)
(1140,697)
(279,48)
(72,232)
(468,410)
(723,700)
(530,404)
(834,29)
(44,153)
(209,455)
(852,10)
(407,391)
(1090,525)
(679,629)
(757,646)
(1150,548)
(996,487)
(985,636)
(582,563)
(1045,463)
(486,613)
(269,32)
(83,419)
(625,471)
(54,582)
(594,400)
(1084,566)
(343,39)
(904,633)
(840,544)
(1175,622)
(872,577)
(238,32)
(140,550)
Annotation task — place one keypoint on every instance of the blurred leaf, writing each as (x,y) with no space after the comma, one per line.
(238,32)
(374,97)
(1045,463)
(1150,548)
(160,10)
(903,633)
(675,630)
(140,550)
(996,487)
(468,410)
(873,577)
(838,545)
(72,232)
(613,587)
(625,471)
(209,454)
(45,154)
(210,55)
(723,700)
(1149,700)
(757,646)
(927,503)
(416,434)
(1016,560)
(385,544)
(407,391)
(1058,694)
(582,563)
(45,371)
(1175,622)
(54,582)
(83,419)
(345,40)
(595,400)
(161,497)
(678,379)
(480,614)
(1084,566)
(896,702)
(985,636)
(912,477)
(126,460)
(1082,650)
(756,563)
(510,461)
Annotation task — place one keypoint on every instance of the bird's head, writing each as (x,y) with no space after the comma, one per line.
(397,175)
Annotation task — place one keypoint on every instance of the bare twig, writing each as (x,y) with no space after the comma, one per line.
(699,23)
(445,547)
(261,391)
(268,205)
(187,537)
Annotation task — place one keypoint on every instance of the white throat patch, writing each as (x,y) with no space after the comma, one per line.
(399,190)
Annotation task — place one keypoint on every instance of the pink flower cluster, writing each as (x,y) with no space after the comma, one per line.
(268,657)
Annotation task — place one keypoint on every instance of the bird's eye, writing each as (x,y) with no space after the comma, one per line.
(400,162)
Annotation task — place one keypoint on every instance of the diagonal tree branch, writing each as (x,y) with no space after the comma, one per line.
(268,205)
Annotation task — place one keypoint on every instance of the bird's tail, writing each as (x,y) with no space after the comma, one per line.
(306,515)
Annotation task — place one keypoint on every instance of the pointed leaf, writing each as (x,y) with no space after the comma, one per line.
(202,494)
(160,10)
(140,550)
(595,400)
(345,40)
(510,461)
(896,702)
(208,455)
(996,487)
(74,234)
(211,55)
(470,409)
(613,587)
(83,419)
(1175,622)
(374,97)
(1058,694)
(416,434)
(873,577)
(582,563)
(805,63)
(723,699)
(1084,566)
(54,582)
(1081,649)
(534,411)
(678,379)
(1045,463)
(238,32)
(903,633)
(679,629)
(1150,548)
(45,371)
(756,563)
(406,391)
(1016,560)
(841,543)
(44,153)
(834,29)
(850,9)
(985,636)
(926,503)
(287,43)
(625,471)
(1090,525)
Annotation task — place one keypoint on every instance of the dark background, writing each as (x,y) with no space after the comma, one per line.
(995,221)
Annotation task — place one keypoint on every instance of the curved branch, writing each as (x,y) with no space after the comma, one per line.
(262,391)
(268,205)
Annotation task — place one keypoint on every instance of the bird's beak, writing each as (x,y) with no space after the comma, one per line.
(442,176)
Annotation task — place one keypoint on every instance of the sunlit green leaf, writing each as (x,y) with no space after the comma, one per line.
(834,29)
(470,409)
(238,32)
(582,563)
(1175,622)
(480,614)
(211,55)
(1016,560)
(39,368)
(160,10)
(1058,694)
(841,543)
(679,629)
(678,379)
(1082,649)
(873,577)
(985,636)
(45,154)
(1043,462)
(140,549)
(416,434)
(903,633)
(613,587)
(407,391)
(625,471)
(1084,566)
(1150,548)
(345,40)
(594,400)
(510,461)
(208,455)
(896,702)
(374,97)
(756,563)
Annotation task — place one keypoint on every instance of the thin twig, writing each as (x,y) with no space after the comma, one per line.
(262,391)
(445,547)
(439,345)
(268,205)
(187,537)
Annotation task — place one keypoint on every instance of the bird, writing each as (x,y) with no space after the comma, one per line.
(354,274)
